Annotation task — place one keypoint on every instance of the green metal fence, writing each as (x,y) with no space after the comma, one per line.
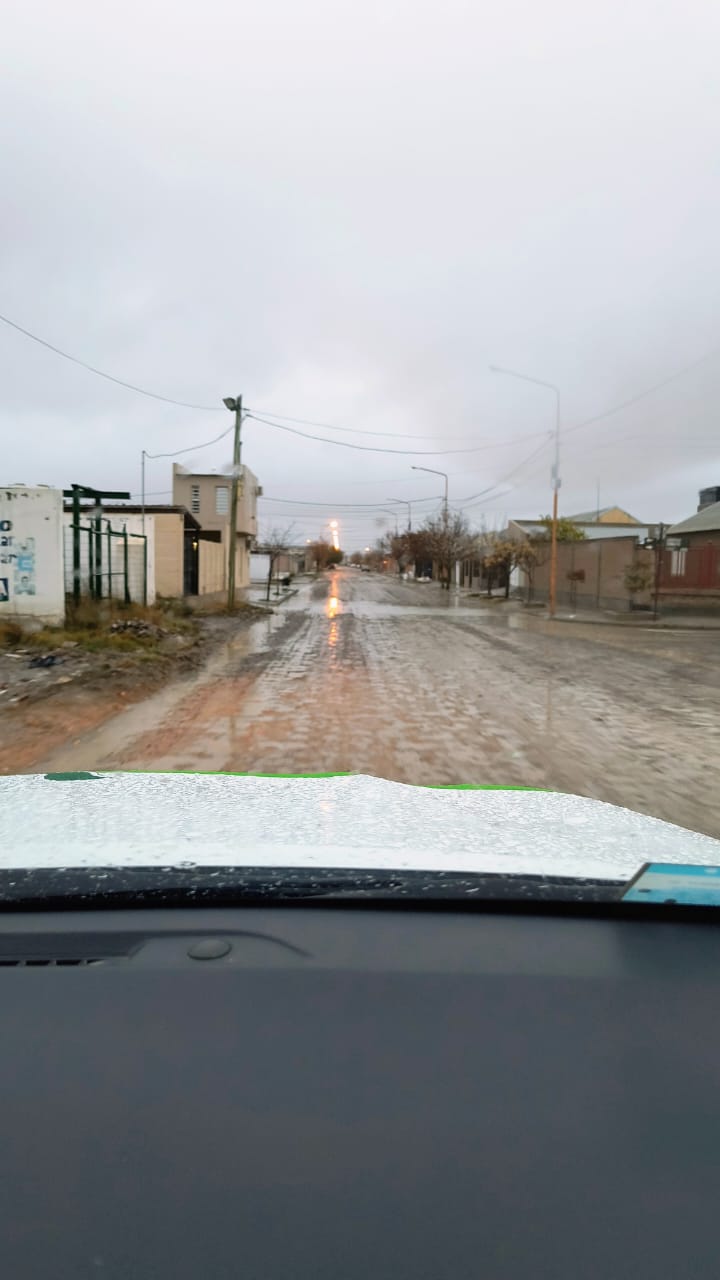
(102,563)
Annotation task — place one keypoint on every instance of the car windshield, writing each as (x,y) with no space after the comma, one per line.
(360,497)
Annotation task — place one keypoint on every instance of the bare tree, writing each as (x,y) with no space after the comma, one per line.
(323,553)
(502,555)
(637,580)
(536,548)
(447,539)
(274,544)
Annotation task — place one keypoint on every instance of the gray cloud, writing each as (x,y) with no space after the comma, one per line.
(348,212)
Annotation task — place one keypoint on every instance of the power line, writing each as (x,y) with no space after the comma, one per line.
(467,504)
(625,404)
(264,415)
(339,506)
(371,448)
(192,448)
(129,386)
(184,404)
(328,426)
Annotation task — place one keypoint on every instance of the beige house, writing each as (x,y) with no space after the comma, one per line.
(183,558)
(604,515)
(208,495)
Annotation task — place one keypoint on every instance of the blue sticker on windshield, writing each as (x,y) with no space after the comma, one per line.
(667,882)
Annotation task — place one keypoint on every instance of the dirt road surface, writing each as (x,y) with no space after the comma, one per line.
(362,673)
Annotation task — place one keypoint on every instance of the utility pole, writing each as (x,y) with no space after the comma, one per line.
(433,472)
(556,487)
(234,404)
(446,539)
(659,552)
(143,456)
(409,507)
(555,474)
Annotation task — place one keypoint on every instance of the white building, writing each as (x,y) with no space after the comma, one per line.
(31,554)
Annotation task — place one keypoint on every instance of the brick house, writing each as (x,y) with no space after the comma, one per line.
(590,575)
(690,576)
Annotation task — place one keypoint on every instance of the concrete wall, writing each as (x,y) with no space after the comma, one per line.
(31,554)
(211,569)
(603,563)
(169,552)
(206,508)
(259,566)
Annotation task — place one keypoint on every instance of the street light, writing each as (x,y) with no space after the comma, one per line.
(438,473)
(234,404)
(409,507)
(554,475)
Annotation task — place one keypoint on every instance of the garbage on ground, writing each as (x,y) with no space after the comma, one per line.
(138,627)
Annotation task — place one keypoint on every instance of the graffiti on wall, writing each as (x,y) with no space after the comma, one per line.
(17,563)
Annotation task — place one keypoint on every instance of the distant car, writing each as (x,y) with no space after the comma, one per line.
(364,568)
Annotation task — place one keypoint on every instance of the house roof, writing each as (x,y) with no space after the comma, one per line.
(592,517)
(704,521)
(590,528)
(136,509)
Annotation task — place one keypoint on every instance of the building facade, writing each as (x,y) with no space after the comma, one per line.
(208,497)
(31,554)
(170,555)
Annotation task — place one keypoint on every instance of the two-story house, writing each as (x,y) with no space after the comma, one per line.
(208,496)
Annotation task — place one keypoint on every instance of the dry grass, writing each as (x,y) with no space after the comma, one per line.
(11,635)
(88,626)
(219,609)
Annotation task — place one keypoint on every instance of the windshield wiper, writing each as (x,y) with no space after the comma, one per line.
(76,888)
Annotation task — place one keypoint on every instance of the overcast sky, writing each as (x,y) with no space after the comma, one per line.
(347,212)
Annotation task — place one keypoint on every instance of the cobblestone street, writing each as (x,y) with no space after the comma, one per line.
(365,674)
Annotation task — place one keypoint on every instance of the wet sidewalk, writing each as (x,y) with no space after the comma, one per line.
(675,621)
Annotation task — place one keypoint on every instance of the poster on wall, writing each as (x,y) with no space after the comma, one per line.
(24,578)
(31,553)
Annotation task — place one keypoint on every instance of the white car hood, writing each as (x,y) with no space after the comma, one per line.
(132,819)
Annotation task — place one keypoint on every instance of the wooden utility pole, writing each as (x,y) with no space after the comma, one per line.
(659,549)
(554,534)
(234,404)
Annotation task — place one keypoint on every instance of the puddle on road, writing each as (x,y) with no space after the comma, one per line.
(141,717)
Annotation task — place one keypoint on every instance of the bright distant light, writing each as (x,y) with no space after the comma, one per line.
(333,524)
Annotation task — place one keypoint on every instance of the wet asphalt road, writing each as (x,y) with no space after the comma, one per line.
(362,673)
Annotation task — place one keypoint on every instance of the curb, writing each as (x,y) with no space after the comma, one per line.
(660,625)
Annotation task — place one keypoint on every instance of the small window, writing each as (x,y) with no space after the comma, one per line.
(195,498)
(678,562)
(221,500)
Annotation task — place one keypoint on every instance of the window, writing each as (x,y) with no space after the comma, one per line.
(677,563)
(221,500)
(195,498)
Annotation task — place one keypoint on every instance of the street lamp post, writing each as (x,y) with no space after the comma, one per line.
(555,475)
(234,404)
(409,507)
(433,472)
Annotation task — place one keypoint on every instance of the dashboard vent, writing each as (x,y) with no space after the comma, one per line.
(44,962)
(60,950)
